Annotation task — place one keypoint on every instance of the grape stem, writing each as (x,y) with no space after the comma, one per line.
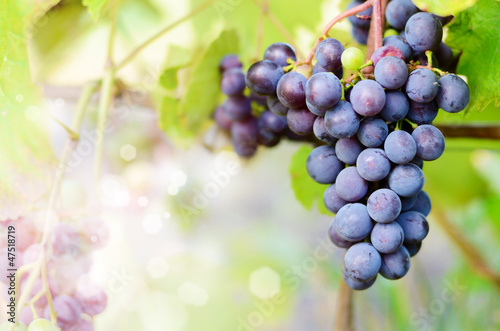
(343,310)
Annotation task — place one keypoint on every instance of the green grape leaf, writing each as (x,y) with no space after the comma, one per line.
(26,157)
(168,79)
(177,59)
(475,32)
(95,7)
(202,96)
(444,7)
(306,190)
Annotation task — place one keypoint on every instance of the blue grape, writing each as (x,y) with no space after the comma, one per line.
(360,34)
(422,85)
(222,120)
(391,72)
(244,137)
(372,131)
(328,54)
(314,110)
(430,142)
(317,69)
(353,222)
(333,202)
(300,121)
(413,248)
(383,205)
(237,107)
(406,179)
(271,121)
(323,165)
(395,265)
(233,82)
(322,133)
(423,32)
(407,203)
(387,237)
(229,61)
(357,21)
(422,113)
(336,238)
(323,90)
(348,149)
(350,185)
(268,138)
(279,53)
(423,203)
(367,97)
(444,56)
(418,162)
(291,90)
(398,12)
(401,44)
(362,262)
(400,147)
(453,95)
(414,225)
(259,99)
(357,285)
(396,106)
(373,164)
(341,120)
(339,73)
(263,76)
(274,105)
(385,51)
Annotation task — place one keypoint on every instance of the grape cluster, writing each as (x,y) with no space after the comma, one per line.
(373,137)
(75,298)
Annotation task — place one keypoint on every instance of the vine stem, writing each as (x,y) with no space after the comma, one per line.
(343,310)
(160,33)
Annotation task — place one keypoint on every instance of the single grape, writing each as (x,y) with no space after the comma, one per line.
(362,262)
(406,179)
(335,238)
(339,72)
(322,133)
(453,95)
(398,12)
(444,56)
(422,113)
(391,72)
(259,99)
(384,51)
(387,237)
(220,117)
(291,90)
(269,120)
(348,149)
(92,298)
(362,19)
(323,165)
(400,147)
(237,107)
(274,105)
(357,285)
(418,162)
(400,43)
(430,142)
(415,226)
(413,248)
(373,165)
(395,265)
(18,327)
(422,85)
(233,82)
(407,203)
(244,137)
(300,121)
(372,131)
(390,32)
(316,111)
(341,120)
(268,138)
(396,106)
(263,76)
(384,205)
(280,53)
(352,58)
(423,203)
(317,69)
(333,202)
(367,98)
(229,61)
(350,186)
(423,32)
(41,324)
(68,310)
(360,34)
(328,54)
(353,222)
(323,90)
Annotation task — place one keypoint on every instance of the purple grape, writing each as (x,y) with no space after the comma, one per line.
(396,106)
(323,165)
(422,113)
(400,147)
(314,110)
(328,54)
(268,138)
(323,90)
(387,237)
(353,222)
(384,206)
(422,85)
(92,298)
(233,82)
(350,185)
(335,238)
(279,53)
(357,285)
(423,32)
(332,200)
(341,120)
(406,179)
(423,203)
(444,56)
(269,120)
(300,121)
(291,90)
(223,122)
(429,141)
(357,21)
(362,262)
(372,131)
(237,108)
(322,133)
(384,51)
(373,165)
(407,203)
(67,308)
(413,248)
(395,265)
(348,149)
(367,98)
(275,106)
(263,76)
(360,34)
(244,137)
(415,226)
(391,72)
(229,61)
(453,95)
(65,240)
(401,44)
(398,12)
